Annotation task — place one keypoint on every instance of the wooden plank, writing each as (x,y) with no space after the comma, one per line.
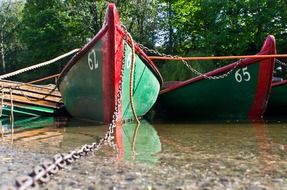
(29,87)
(31,95)
(22,99)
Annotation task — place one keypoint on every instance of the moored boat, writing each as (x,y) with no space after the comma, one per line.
(241,93)
(98,79)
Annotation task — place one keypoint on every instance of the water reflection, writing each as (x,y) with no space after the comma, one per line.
(250,148)
(139,143)
(259,147)
(29,130)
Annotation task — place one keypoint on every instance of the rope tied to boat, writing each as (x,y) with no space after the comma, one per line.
(20,71)
(132,77)
(14,73)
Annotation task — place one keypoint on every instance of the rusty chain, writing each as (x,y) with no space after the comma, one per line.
(189,66)
(281,63)
(42,173)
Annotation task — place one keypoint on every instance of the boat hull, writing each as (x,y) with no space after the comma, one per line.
(242,94)
(90,83)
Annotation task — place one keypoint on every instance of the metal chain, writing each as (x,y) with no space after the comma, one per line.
(11,106)
(42,173)
(280,62)
(212,77)
(2,102)
(189,66)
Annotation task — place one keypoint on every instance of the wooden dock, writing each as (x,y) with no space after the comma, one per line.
(28,99)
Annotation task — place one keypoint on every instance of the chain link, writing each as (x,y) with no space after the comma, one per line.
(189,66)
(281,63)
(42,173)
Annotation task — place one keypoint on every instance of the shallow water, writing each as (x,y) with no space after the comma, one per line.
(223,155)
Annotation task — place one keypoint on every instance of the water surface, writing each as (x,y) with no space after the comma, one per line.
(225,155)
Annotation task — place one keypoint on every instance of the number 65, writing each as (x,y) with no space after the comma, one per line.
(242,74)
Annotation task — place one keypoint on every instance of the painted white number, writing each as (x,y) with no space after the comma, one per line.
(238,76)
(246,74)
(92,60)
(129,61)
(242,74)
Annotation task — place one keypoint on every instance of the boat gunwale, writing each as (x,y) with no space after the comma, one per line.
(280,83)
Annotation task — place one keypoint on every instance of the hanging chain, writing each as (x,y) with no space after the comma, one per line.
(2,102)
(11,106)
(189,66)
(211,77)
(281,63)
(42,173)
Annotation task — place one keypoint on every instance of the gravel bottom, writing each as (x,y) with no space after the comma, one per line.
(102,170)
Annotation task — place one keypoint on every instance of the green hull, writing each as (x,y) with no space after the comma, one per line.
(146,87)
(29,111)
(221,98)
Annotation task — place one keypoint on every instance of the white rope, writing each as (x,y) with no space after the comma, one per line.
(38,65)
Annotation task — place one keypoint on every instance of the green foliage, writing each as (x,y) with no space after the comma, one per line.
(51,28)
(45,29)
(10,16)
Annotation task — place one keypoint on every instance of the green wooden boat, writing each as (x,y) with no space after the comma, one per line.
(21,110)
(277,103)
(23,124)
(91,80)
(140,144)
(29,100)
(243,94)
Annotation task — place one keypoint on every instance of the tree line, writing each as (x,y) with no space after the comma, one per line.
(33,31)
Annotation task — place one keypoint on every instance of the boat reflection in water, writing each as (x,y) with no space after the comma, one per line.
(271,145)
(138,142)
(31,129)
